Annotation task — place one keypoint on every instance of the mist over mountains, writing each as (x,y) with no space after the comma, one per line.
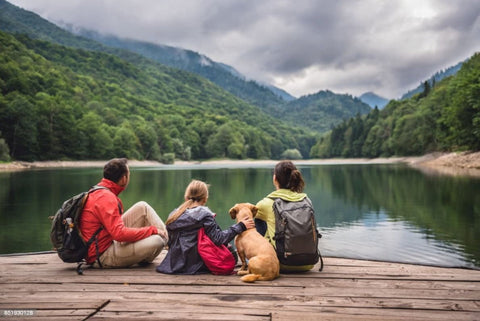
(223,75)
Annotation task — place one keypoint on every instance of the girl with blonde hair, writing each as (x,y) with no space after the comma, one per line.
(183,225)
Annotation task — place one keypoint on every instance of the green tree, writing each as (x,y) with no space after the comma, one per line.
(236,150)
(426,89)
(147,137)
(292,154)
(462,114)
(218,143)
(125,143)
(19,120)
(4,150)
(97,138)
(182,151)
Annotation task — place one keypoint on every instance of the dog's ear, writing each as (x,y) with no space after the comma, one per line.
(233,211)
(254,209)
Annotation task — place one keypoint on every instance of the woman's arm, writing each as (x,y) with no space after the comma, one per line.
(215,233)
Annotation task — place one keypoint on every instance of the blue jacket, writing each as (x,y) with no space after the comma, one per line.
(182,256)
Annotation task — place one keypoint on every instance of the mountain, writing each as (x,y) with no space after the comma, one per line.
(221,74)
(373,100)
(323,110)
(280,92)
(433,79)
(16,20)
(444,118)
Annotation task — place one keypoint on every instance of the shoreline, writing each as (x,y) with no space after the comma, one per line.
(462,163)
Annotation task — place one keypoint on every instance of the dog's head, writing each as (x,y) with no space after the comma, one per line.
(242,210)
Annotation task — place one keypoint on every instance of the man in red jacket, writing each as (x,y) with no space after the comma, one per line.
(137,236)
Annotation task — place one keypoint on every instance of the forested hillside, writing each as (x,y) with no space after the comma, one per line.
(63,103)
(323,110)
(433,79)
(443,118)
(222,75)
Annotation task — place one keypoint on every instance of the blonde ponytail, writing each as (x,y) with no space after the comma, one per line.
(180,210)
(196,191)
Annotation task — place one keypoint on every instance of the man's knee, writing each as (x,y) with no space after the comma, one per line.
(155,246)
(157,241)
(141,204)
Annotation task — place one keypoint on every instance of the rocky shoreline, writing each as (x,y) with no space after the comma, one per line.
(463,163)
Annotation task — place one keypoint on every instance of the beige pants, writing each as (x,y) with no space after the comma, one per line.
(125,254)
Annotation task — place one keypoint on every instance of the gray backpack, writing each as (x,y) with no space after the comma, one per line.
(296,234)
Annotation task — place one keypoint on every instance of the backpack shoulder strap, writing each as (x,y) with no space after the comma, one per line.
(97,187)
(94,236)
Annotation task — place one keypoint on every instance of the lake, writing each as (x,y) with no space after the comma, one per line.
(378,212)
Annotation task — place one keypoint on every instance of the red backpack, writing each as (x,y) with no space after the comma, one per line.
(218,259)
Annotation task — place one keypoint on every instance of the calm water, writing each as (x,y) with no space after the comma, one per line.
(379,212)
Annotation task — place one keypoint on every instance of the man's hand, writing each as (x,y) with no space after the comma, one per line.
(163,234)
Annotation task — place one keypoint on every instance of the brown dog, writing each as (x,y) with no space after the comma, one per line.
(263,263)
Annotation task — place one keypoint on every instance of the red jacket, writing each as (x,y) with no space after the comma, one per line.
(102,209)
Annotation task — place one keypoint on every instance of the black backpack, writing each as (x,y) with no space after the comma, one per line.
(65,234)
(296,234)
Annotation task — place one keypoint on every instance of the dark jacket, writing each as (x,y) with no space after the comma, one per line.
(182,256)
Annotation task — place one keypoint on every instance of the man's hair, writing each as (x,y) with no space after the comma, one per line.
(115,169)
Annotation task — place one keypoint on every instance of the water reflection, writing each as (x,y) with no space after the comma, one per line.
(378,236)
(443,210)
(380,212)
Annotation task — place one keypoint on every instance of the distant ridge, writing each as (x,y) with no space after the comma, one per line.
(435,78)
(323,110)
(373,100)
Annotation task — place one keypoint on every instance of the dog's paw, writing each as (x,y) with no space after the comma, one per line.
(242,272)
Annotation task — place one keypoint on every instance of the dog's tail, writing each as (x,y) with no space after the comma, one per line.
(250,278)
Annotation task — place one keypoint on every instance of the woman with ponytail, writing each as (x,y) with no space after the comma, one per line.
(183,225)
(289,184)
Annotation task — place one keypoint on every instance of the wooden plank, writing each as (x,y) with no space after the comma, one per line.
(299,303)
(256,308)
(178,315)
(374,314)
(97,292)
(326,284)
(288,279)
(302,302)
(42,304)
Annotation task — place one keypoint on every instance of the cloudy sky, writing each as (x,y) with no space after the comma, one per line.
(303,46)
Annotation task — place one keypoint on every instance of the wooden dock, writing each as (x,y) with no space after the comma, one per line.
(42,287)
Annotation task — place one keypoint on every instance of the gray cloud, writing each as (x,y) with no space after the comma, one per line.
(304,46)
